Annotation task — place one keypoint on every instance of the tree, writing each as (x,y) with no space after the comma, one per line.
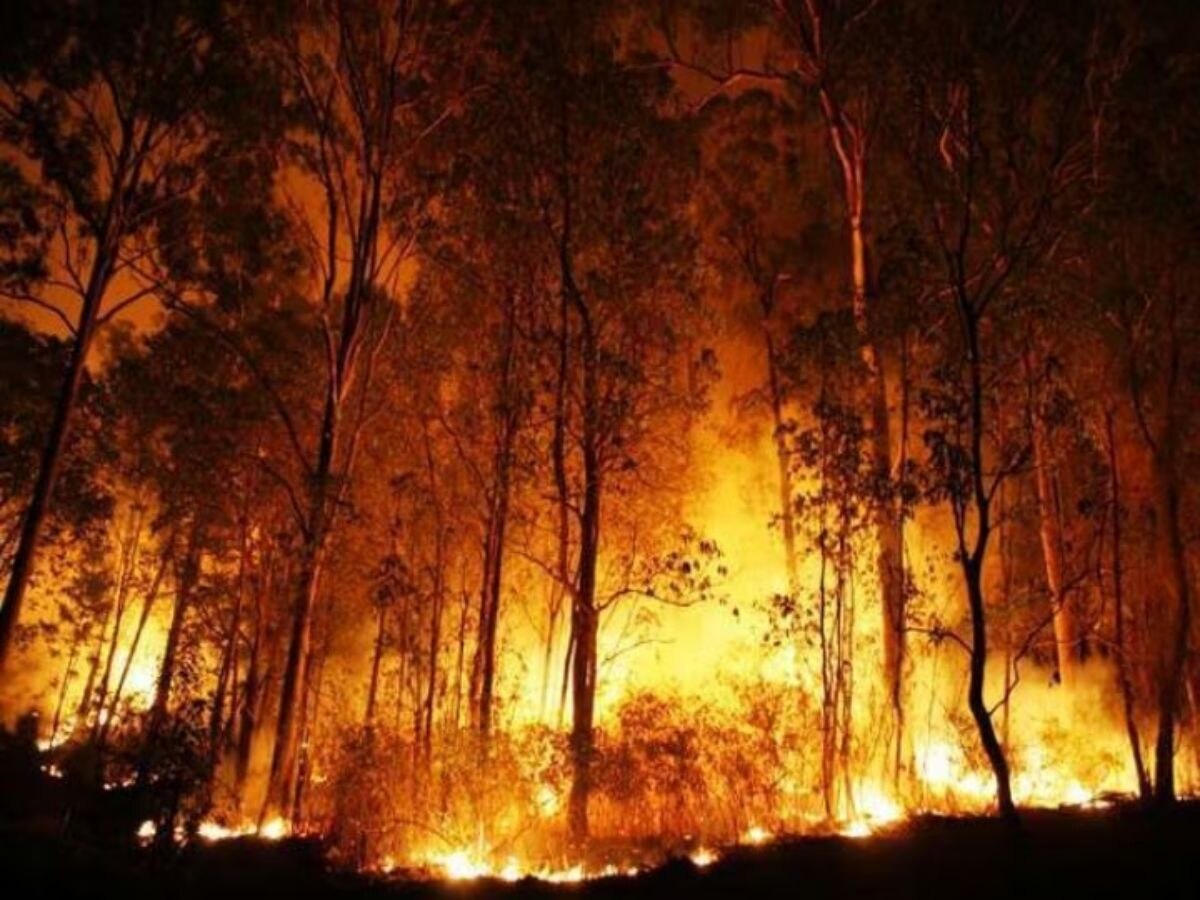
(109,105)
(767,218)
(993,218)
(824,51)
(357,84)
(608,189)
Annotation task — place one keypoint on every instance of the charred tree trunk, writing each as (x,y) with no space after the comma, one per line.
(979,710)
(972,560)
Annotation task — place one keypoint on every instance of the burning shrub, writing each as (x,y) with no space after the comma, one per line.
(392,798)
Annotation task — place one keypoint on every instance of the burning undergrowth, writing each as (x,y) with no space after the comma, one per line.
(675,776)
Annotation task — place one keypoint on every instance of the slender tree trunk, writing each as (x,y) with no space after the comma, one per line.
(787,515)
(129,558)
(497,523)
(68,674)
(972,562)
(1174,623)
(1124,680)
(583,670)
(136,642)
(254,690)
(228,669)
(84,706)
(1172,568)
(186,578)
(849,148)
(464,608)
(376,660)
(252,694)
(554,611)
(489,607)
(584,619)
(281,787)
(435,641)
(975,701)
(1066,632)
(33,522)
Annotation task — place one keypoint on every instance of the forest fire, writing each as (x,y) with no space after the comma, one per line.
(531,440)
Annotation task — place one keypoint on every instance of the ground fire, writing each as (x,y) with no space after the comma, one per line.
(541,441)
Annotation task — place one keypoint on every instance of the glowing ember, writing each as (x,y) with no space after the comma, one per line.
(511,871)
(857,829)
(876,807)
(271,830)
(703,857)
(274,829)
(146,832)
(460,866)
(470,865)
(756,834)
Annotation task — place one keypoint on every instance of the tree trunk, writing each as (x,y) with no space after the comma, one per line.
(227,673)
(1066,633)
(583,670)
(435,640)
(143,618)
(35,515)
(186,579)
(1172,569)
(376,660)
(68,674)
(584,619)
(972,562)
(787,516)
(128,563)
(281,786)
(254,689)
(489,607)
(975,701)
(498,506)
(849,148)
(1124,679)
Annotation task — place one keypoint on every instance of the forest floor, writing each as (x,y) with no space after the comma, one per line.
(1118,852)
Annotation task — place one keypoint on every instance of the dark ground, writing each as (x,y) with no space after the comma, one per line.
(1123,851)
(1113,853)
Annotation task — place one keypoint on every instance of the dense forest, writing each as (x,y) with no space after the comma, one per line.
(495,430)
